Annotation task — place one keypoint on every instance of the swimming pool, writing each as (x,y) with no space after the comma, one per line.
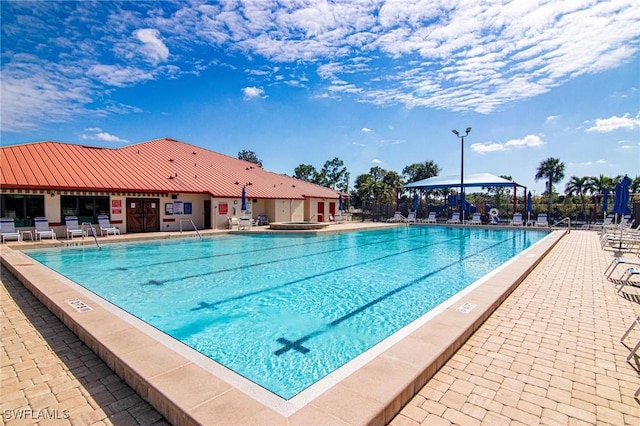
(285,311)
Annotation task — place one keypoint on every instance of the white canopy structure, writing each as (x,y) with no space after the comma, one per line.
(477,179)
(472,180)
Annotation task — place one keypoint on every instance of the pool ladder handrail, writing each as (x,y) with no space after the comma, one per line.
(93,232)
(193,224)
(566,219)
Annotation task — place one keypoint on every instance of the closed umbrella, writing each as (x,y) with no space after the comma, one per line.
(621,197)
(340,207)
(529,206)
(415,202)
(244,200)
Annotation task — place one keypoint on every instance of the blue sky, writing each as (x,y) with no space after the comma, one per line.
(372,82)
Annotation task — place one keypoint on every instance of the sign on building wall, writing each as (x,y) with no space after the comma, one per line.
(116,206)
(223,208)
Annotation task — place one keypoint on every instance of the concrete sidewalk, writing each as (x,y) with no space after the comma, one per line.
(551,354)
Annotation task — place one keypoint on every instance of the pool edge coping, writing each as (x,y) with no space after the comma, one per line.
(371,395)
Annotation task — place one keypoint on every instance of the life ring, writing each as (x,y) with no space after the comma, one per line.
(494,212)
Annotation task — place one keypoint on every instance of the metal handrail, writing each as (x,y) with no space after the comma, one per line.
(93,232)
(192,224)
(566,219)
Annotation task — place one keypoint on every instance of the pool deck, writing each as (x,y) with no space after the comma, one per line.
(550,353)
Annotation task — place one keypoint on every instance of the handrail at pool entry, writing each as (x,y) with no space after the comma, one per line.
(194,227)
(566,219)
(93,232)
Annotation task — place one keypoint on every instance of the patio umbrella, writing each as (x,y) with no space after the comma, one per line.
(415,201)
(529,206)
(340,207)
(621,197)
(244,199)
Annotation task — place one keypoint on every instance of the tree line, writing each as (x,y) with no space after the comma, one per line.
(380,187)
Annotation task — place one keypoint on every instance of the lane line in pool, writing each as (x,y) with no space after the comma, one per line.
(272,261)
(297,344)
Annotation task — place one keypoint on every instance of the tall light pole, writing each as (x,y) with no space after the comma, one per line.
(455,132)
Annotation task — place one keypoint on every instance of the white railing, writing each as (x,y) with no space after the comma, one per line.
(566,219)
(192,224)
(93,232)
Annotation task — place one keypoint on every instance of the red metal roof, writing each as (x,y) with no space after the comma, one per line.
(160,165)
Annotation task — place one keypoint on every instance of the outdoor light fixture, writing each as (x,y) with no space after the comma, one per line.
(455,132)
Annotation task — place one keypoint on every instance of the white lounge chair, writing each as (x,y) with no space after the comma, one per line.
(476,219)
(8,229)
(517,220)
(397,217)
(542,220)
(43,229)
(411,217)
(73,227)
(455,218)
(106,226)
(431,218)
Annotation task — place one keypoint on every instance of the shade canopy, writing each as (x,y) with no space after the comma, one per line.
(477,179)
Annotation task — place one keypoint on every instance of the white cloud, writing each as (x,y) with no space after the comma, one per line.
(152,46)
(96,133)
(552,118)
(604,125)
(377,161)
(366,130)
(249,93)
(527,141)
(117,76)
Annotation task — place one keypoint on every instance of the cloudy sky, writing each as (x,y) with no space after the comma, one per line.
(372,82)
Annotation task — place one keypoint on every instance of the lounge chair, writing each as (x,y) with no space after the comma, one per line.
(608,221)
(411,217)
(106,226)
(455,218)
(397,217)
(476,219)
(232,222)
(261,220)
(431,218)
(245,223)
(43,229)
(626,280)
(8,229)
(542,220)
(517,220)
(73,227)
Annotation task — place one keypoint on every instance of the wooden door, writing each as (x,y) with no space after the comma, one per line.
(143,215)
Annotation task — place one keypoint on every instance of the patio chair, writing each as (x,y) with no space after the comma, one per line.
(542,220)
(261,220)
(73,227)
(43,229)
(517,220)
(431,218)
(8,229)
(106,226)
(476,219)
(455,218)
(411,217)
(625,279)
(397,217)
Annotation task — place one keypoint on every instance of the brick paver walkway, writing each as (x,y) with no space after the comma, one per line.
(49,377)
(549,355)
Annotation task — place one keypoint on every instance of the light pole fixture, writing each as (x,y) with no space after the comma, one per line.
(461,137)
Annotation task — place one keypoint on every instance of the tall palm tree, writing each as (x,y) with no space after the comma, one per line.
(553,170)
(578,186)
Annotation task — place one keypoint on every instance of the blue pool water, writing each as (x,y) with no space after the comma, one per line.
(286,310)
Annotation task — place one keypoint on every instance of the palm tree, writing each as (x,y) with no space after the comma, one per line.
(553,170)
(578,186)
